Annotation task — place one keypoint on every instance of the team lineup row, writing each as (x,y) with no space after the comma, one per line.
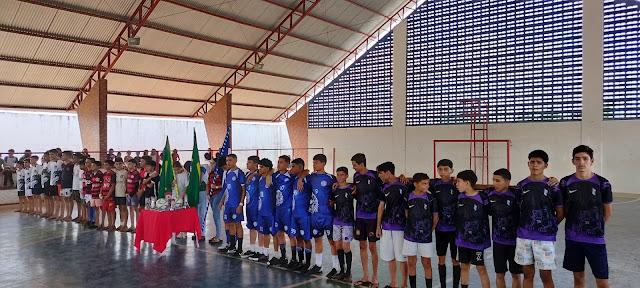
(401,214)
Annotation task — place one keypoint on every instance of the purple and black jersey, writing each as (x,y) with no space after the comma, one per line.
(343,202)
(472,221)
(446,194)
(395,199)
(537,210)
(368,194)
(583,202)
(420,212)
(503,208)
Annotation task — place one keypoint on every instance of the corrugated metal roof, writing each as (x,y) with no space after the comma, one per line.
(253,113)
(145,106)
(31,97)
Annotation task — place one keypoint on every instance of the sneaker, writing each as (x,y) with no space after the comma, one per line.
(315,270)
(231,250)
(236,253)
(274,261)
(332,273)
(263,259)
(255,256)
(292,265)
(247,254)
(302,267)
(223,248)
(338,276)
(283,262)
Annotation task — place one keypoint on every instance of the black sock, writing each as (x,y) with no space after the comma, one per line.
(348,257)
(283,252)
(307,255)
(412,281)
(456,276)
(465,286)
(429,282)
(341,260)
(240,244)
(300,254)
(442,271)
(293,253)
(232,241)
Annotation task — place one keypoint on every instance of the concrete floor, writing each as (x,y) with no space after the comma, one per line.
(43,253)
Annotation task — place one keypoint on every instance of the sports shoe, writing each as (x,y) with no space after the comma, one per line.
(255,257)
(315,270)
(231,250)
(274,261)
(292,265)
(223,249)
(236,253)
(263,259)
(247,254)
(302,268)
(332,273)
(282,262)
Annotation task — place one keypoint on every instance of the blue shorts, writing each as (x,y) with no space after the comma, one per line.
(321,224)
(252,218)
(283,220)
(231,215)
(596,254)
(265,225)
(300,227)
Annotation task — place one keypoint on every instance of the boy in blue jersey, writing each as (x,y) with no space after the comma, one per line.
(368,190)
(251,190)
(342,202)
(284,190)
(446,194)
(503,208)
(540,212)
(391,221)
(422,217)
(472,228)
(587,204)
(233,202)
(266,209)
(321,184)
(300,218)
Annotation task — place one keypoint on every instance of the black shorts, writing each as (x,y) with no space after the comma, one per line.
(365,229)
(444,240)
(21,193)
(75,195)
(596,254)
(503,255)
(52,190)
(121,201)
(37,191)
(471,256)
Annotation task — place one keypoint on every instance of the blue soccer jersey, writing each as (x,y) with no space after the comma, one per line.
(583,202)
(233,183)
(267,196)
(321,187)
(251,189)
(537,210)
(284,190)
(301,199)
(472,222)
(504,212)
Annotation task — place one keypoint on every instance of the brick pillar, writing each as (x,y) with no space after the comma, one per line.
(216,121)
(298,128)
(92,117)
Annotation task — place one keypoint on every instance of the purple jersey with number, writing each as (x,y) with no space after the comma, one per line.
(583,202)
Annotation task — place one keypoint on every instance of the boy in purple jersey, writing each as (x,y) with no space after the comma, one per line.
(587,205)
(391,221)
(446,194)
(540,212)
(472,228)
(504,211)
(368,189)
(422,218)
(342,202)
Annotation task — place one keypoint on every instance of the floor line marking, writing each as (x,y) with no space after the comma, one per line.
(303,282)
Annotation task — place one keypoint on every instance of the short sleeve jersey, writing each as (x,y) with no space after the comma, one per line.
(121,183)
(301,198)
(583,202)
(96,184)
(66,175)
(55,168)
(133,181)
(472,221)
(108,181)
(20,176)
(420,211)
(233,183)
(368,189)
(321,187)
(342,198)
(36,178)
(77,178)
(151,189)
(27,179)
(267,197)
(284,190)
(446,195)
(251,188)
(394,196)
(504,212)
(537,210)
(45,174)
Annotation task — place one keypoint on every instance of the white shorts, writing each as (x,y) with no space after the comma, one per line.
(342,233)
(28,193)
(87,198)
(540,253)
(391,246)
(66,192)
(417,249)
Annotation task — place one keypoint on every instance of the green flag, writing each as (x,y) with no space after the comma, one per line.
(193,190)
(167,176)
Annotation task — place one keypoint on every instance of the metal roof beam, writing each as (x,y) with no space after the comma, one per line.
(367,8)
(276,35)
(118,18)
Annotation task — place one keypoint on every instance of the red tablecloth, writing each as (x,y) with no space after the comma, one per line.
(157,226)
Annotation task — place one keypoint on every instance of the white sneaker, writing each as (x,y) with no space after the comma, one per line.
(224,246)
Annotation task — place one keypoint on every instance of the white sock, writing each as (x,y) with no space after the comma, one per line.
(336,263)
(319,259)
